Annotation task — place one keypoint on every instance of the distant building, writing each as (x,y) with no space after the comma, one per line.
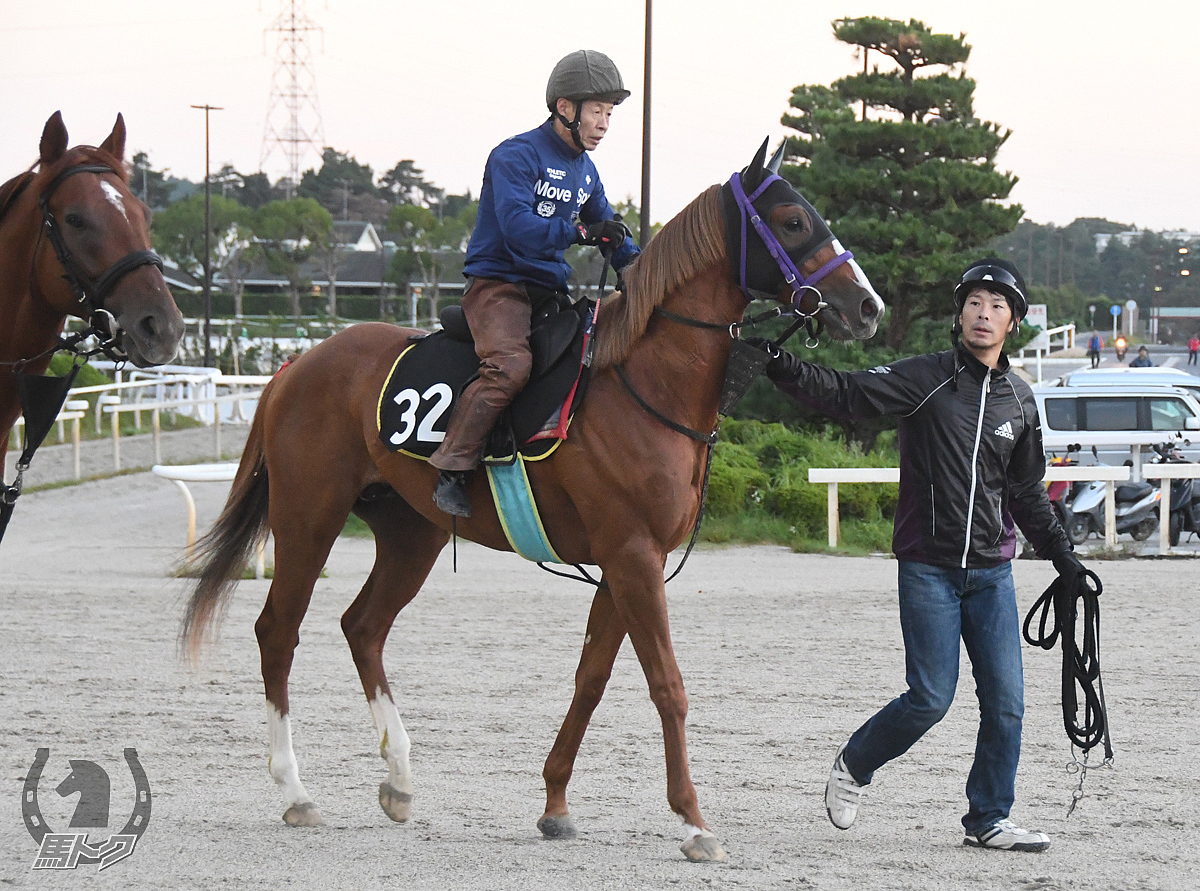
(1127,238)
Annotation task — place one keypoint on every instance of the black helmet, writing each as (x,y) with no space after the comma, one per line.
(585,73)
(996,275)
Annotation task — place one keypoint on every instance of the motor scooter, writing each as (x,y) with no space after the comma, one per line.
(1121,346)
(1063,492)
(1136,510)
(1185,496)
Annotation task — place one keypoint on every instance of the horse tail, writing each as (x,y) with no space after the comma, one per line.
(226,549)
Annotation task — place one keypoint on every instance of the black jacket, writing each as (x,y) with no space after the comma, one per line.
(971,458)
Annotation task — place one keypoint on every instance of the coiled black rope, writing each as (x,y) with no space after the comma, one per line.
(1058,613)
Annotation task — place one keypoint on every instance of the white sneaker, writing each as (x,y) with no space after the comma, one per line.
(1007,836)
(842,794)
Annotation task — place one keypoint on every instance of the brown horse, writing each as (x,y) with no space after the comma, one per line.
(621,492)
(74,241)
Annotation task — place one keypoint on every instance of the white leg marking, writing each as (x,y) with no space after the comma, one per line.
(690,832)
(393,741)
(282,764)
(114,197)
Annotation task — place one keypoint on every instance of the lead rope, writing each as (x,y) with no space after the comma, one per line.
(1080,667)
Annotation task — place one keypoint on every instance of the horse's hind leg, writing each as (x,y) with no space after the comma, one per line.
(605,634)
(304,535)
(406,547)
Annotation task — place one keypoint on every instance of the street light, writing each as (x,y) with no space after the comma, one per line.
(207,242)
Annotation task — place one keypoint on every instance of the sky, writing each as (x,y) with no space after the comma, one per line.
(1102,105)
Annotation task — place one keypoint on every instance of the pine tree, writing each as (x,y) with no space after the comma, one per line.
(901,167)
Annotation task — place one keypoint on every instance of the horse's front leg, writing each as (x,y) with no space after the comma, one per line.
(635,579)
(601,643)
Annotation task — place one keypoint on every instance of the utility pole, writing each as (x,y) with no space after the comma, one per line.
(644,214)
(208,358)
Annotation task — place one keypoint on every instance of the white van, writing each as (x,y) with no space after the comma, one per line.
(1116,416)
(1124,376)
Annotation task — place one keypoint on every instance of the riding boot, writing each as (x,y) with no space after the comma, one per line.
(450,494)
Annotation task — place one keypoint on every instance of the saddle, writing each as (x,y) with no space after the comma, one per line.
(424,384)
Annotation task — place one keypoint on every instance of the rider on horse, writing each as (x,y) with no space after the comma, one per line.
(541,194)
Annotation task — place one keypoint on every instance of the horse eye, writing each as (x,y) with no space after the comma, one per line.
(795,224)
(75,221)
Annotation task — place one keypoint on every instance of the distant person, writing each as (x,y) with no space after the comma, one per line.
(1095,345)
(1142,360)
(1193,348)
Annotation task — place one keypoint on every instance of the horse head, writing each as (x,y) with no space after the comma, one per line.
(780,248)
(98,232)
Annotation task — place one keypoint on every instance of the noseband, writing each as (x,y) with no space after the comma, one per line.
(791,274)
(91,293)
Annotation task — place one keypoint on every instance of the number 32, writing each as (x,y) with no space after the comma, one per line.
(408,400)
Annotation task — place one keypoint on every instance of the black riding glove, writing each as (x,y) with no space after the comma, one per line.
(783,365)
(606,234)
(1069,568)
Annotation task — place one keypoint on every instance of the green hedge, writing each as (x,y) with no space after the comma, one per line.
(759,488)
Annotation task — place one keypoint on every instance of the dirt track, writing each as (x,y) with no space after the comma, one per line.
(783,656)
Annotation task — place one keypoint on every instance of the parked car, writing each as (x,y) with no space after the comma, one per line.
(1114,418)
(1135,377)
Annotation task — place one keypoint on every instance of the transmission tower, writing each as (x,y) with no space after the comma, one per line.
(293,124)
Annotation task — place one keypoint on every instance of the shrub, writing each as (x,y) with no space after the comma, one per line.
(759,487)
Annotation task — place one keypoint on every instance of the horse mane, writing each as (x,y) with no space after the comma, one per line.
(80,154)
(11,190)
(691,242)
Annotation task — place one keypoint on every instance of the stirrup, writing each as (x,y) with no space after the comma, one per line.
(450,493)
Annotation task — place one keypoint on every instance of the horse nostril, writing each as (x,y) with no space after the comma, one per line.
(147,328)
(869,308)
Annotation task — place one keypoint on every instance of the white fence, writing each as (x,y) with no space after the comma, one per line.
(833,476)
(202,394)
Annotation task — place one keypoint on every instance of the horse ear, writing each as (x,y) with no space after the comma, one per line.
(776,159)
(752,176)
(54,140)
(115,143)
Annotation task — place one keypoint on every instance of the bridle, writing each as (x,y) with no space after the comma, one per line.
(91,293)
(803,287)
(42,396)
(749,360)
(791,274)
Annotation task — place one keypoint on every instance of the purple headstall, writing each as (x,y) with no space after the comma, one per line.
(791,274)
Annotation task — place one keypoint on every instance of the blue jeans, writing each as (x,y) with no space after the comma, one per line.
(937,606)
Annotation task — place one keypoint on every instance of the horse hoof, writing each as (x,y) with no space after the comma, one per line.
(557,827)
(703,848)
(303,815)
(396,804)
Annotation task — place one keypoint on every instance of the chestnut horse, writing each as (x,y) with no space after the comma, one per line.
(74,241)
(620,492)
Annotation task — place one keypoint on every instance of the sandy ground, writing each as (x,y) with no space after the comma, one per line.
(783,656)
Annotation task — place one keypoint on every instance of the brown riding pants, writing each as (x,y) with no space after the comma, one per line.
(498,314)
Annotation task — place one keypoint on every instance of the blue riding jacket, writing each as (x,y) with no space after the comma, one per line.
(534,185)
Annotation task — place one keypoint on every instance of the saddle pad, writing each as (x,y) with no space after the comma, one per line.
(518,512)
(425,381)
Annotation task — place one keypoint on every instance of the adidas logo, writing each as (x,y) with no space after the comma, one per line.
(1004,430)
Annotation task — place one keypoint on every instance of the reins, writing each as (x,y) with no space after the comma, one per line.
(744,362)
